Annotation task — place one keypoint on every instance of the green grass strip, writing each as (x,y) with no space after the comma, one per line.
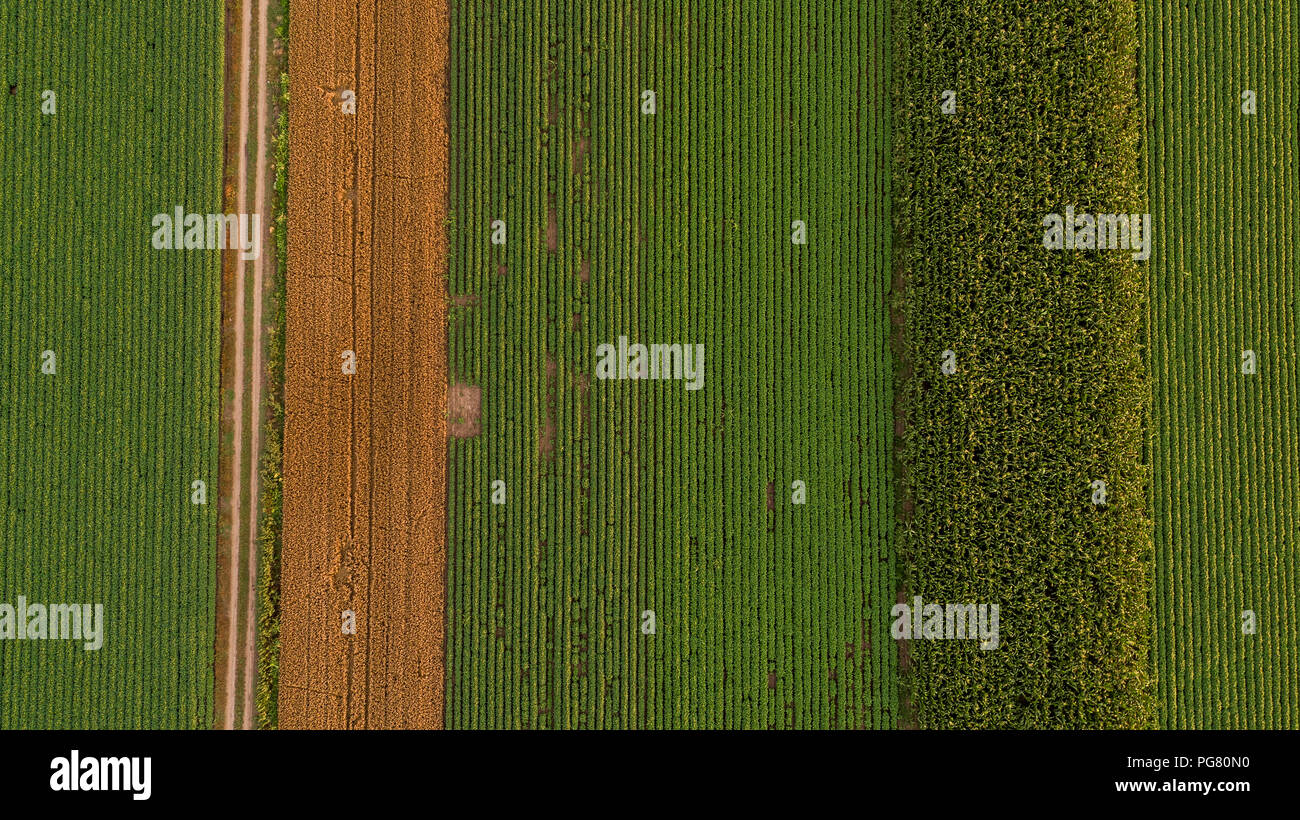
(271,478)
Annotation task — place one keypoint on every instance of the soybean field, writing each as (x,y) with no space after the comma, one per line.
(709,546)
(109,361)
(1221,86)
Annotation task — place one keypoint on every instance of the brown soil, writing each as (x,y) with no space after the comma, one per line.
(365,455)
(229,276)
(584,271)
(464,410)
(465,299)
(907,716)
(580,148)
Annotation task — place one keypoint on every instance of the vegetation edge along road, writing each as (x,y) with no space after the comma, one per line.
(272,468)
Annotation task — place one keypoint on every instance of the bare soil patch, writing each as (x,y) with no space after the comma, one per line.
(552,225)
(464,410)
(581,146)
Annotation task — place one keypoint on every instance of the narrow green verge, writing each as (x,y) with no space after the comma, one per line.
(268,532)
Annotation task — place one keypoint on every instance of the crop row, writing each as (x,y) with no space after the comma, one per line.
(101,454)
(625,497)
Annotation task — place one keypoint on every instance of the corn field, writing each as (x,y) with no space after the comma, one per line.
(1022,385)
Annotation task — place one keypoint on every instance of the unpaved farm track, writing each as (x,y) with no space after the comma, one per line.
(364,454)
(248,44)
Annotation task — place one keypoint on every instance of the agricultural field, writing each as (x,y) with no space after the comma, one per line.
(105,435)
(1022,387)
(1224,442)
(651,365)
(633,553)
(362,557)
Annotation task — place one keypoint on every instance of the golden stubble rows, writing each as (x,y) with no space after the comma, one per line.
(365,454)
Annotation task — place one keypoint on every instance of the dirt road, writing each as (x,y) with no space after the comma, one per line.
(245,286)
(363,568)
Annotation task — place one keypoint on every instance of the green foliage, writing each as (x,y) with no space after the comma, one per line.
(1225,446)
(653,497)
(1049,394)
(271,468)
(98,459)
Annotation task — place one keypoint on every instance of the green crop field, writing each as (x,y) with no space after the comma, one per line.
(872,372)
(626,496)
(1023,396)
(100,454)
(1225,445)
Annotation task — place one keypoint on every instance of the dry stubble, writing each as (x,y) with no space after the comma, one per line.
(365,454)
